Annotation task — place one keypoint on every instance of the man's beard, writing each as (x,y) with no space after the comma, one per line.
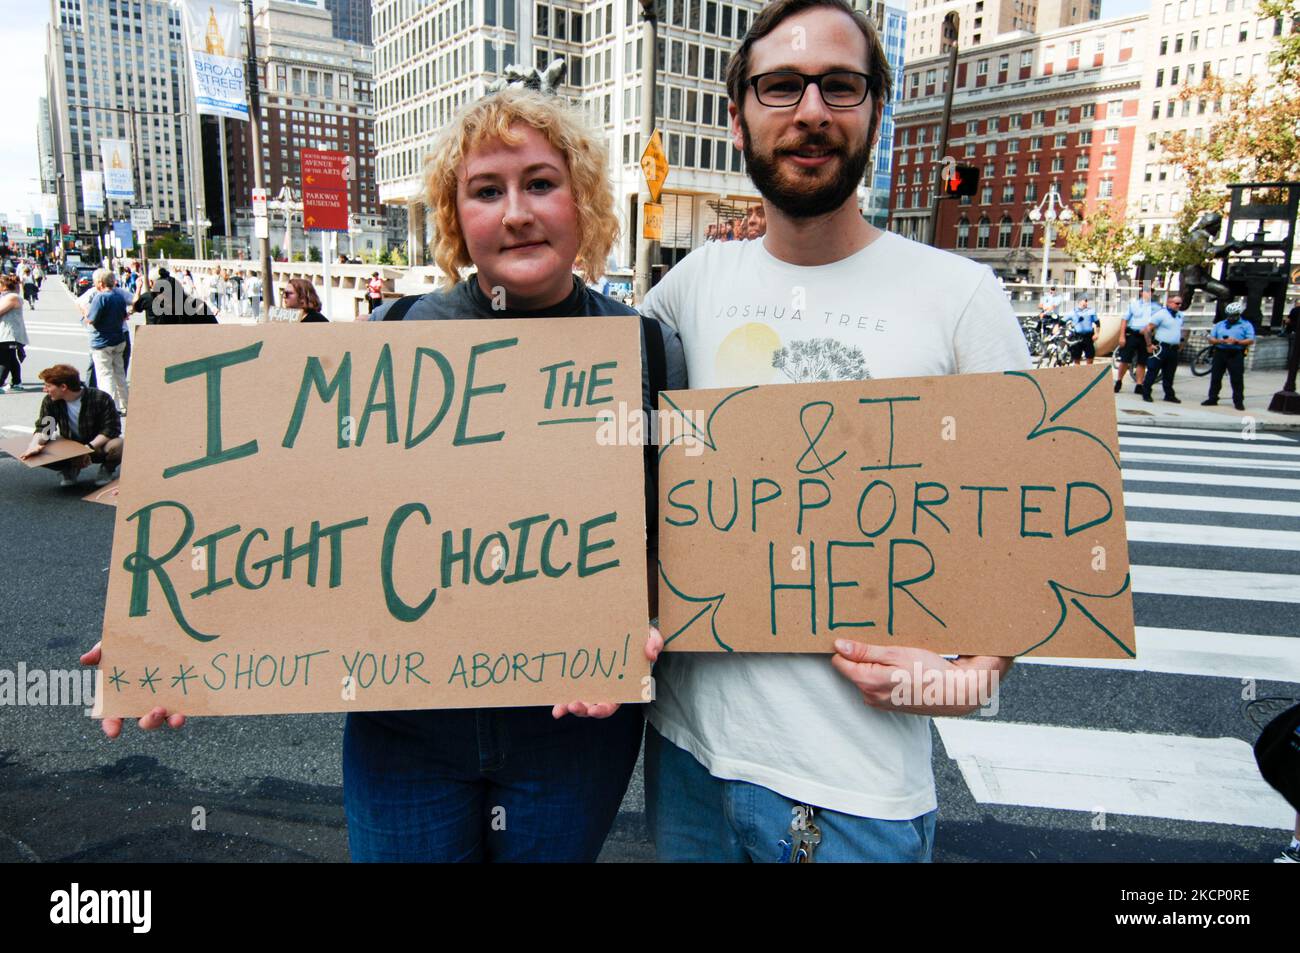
(797,200)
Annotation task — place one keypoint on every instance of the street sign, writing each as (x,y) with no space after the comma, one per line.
(141,219)
(325,209)
(323,169)
(652,215)
(259,203)
(261,227)
(654,165)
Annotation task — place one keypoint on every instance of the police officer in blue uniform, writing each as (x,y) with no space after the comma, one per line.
(1134,348)
(1163,337)
(1083,324)
(1230,338)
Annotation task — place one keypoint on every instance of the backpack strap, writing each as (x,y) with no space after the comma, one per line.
(656,361)
(397,310)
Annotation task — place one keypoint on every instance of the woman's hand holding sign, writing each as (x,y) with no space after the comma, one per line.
(654,644)
(917,681)
(150,722)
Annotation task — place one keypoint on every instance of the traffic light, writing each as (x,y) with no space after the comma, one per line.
(962,180)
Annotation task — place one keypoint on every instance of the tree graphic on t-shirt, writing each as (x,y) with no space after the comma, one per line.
(821,359)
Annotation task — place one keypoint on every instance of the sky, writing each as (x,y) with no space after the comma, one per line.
(24,36)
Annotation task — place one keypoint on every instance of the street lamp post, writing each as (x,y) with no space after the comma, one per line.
(1047,212)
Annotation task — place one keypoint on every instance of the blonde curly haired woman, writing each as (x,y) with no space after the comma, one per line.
(519,190)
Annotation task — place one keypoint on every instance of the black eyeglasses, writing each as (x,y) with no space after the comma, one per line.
(840,89)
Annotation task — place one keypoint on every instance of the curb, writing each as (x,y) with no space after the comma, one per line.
(1228,423)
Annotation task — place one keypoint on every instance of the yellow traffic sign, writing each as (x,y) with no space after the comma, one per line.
(652,215)
(654,165)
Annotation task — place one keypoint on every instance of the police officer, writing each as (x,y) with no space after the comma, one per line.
(1083,322)
(1230,338)
(1133,350)
(1162,336)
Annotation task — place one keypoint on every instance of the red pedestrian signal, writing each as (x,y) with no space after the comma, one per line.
(963,180)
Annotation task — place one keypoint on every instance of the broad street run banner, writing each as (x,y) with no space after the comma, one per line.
(212,28)
(116,157)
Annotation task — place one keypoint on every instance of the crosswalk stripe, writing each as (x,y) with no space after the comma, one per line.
(1227,446)
(1242,464)
(1233,434)
(1211,479)
(1190,652)
(1210,780)
(1215,583)
(1188,534)
(1211,504)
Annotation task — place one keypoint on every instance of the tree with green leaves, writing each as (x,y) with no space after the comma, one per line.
(1104,242)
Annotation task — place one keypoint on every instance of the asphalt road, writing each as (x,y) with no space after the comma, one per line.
(269,788)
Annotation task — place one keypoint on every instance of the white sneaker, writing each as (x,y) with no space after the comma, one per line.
(67,480)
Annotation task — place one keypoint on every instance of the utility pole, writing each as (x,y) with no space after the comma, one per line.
(255,127)
(646,250)
(950,25)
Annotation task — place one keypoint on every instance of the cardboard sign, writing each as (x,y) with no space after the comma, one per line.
(976,514)
(58,450)
(106,494)
(346,518)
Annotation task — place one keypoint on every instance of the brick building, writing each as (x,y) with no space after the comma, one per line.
(1031,112)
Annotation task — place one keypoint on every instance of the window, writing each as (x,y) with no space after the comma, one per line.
(1178,43)
(982,233)
(1155,109)
(963,233)
(1072,50)
(1031,192)
(1032,167)
(1011,169)
(1108,161)
(1112,134)
(1039,116)
(982,68)
(1027,233)
(970,149)
(1026,58)
(1058,164)
(1081,162)
(1013,145)
(1194,41)
(986,195)
(1063,115)
(543,24)
(991,149)
(1164,45)
(972,127)
(1085,137)
(1173,76)
(1035,142)
(1004,232)
(1008,194)
(1059,142)
(990,170)
(1106,190)
(1160,77)
(1013,121)
(1004,62)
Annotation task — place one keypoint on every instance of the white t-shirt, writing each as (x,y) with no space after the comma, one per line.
(791,723)
(74,414)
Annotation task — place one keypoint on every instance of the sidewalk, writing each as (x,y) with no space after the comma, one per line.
(1133,410)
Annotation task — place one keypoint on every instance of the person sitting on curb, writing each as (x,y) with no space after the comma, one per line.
(78,413)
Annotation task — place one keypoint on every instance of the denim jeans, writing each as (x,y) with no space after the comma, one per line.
(694,817)
(487,784)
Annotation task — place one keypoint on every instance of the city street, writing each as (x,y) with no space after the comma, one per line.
(1107,761)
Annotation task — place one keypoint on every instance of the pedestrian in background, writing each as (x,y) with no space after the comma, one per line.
(13,333)
(374,292)
(1163,336)
(299,293)
(1133,351)
(107,320)
(1230,338)
(1083,322)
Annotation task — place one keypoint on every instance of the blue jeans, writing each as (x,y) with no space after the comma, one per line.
(694,816)
(487,784)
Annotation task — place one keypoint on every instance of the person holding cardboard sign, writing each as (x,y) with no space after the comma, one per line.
(743,752)
(74,412)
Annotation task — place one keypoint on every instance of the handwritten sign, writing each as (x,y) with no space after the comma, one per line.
(975,514)
(343,517)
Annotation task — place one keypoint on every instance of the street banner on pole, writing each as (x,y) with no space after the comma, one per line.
(974,514)
(115,155)
(469,539)
(216,69)
(122,236)
(92,191)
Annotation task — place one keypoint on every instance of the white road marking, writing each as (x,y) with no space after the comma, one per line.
(1211,780)
(1251,464)
(1188,534)
(1224,446)
(1212,504)
(1216,583)
(1132,431)
(1213,479)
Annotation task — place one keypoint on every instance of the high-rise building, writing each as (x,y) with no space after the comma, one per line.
(116,69)
(45,147)
(1187,41)
(1033,113)
(316,92)
(982,21)
(351,19)
(431,60)
(890,17)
